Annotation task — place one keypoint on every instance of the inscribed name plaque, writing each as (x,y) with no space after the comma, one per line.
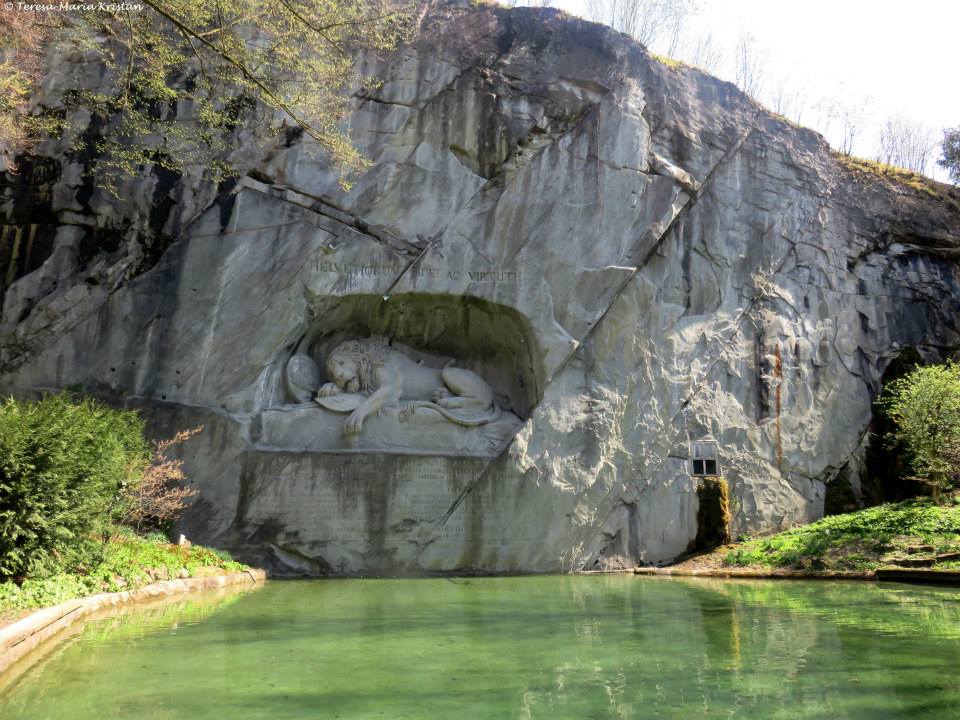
(361,511)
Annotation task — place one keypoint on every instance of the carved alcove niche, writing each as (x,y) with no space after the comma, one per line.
(483,345)
(494,341)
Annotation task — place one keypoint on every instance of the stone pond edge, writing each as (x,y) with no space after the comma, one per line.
(19,638)
(890,574)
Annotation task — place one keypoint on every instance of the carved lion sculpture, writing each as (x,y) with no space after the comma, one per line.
(368,376)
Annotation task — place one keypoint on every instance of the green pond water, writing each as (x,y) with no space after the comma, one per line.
(534,647)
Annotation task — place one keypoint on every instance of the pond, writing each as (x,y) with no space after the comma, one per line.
(533,647)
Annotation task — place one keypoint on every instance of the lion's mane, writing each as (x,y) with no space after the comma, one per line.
(367,357)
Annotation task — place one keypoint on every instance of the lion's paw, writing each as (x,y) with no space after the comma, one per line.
(354,423)
(328,390)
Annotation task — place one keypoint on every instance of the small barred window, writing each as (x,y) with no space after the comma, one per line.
(704,456)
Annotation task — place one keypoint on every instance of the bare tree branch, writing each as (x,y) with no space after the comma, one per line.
(905,144)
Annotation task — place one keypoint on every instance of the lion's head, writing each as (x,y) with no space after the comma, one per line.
(351,366)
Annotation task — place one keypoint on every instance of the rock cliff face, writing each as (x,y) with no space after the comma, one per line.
(626,257)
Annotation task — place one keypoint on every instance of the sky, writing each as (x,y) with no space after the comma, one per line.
(879,58)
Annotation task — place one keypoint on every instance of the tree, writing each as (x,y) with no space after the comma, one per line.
(748,66)
(925,408)
(841,120)
(23,38)
(799,104)
(790,101)
(850,116)
(160,495)
(905,144)
(644,20)
(704,53)
(950,153)
(185,75)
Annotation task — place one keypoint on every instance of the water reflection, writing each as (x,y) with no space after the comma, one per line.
(542,647)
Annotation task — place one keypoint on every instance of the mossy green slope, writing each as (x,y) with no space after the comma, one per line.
(913,533)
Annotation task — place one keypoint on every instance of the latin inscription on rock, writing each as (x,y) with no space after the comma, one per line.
(428,272)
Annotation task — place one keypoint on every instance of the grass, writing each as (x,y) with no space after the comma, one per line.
(900,176)
(128,561)
(787,121)
(906,533)
(670,62)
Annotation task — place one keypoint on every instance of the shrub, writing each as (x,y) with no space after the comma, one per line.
(127,561)
(158,497)
(925,408)
(65,465)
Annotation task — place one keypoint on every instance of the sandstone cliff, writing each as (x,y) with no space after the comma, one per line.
(635,256)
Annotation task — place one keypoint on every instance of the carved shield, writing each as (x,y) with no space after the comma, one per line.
(344,402)
(303,377)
